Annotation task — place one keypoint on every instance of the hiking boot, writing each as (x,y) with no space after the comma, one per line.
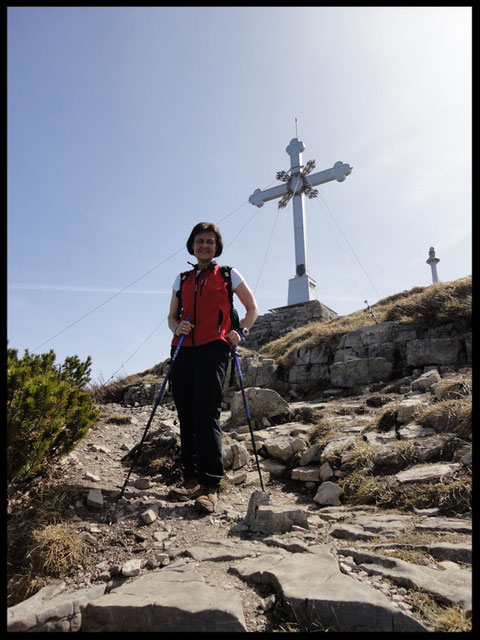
(207,500)
(189,490)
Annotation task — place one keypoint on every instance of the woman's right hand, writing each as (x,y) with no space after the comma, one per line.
(184,327)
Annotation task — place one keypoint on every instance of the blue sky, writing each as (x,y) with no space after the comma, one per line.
(128,125)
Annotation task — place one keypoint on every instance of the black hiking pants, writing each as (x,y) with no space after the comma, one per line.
(198,375)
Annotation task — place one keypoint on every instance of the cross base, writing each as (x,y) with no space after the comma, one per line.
(301,289)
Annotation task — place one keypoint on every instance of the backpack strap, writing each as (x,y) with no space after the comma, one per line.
(183,276)
(227,276)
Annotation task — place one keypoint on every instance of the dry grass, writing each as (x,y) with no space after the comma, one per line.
(40,545)
(455,387)
(421,538)
(360,458)
(452,497)
(313,334)
(114,391)
(56,549)
(449,416)
(414,556)
(387,420)
(434,305)
(442,618)
(118,419)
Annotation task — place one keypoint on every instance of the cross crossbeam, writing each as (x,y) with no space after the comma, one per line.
(302,287)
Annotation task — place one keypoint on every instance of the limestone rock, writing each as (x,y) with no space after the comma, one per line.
(274,467)
(408,408)
(284,447)
(426,380)
(306,474)
(53,608)
(240,455)
(312,586)
(431,351)
(142,483)
(168,600)
(264,517)
(95,499)
(261,403)
(328,494)
(427,472)
(132,567)
(360,371)
(451,585)
(148,516)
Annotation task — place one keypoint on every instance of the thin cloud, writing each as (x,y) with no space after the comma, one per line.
(83,289)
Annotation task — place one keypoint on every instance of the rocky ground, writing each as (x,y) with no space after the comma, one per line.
(387,559)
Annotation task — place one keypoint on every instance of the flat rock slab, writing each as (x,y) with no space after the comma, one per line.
(369,526)
(365,526)
(50,608)
(452,586)
(427,472)
(214,551)
(456,552)
(319,595)
(447,525)
(166,600)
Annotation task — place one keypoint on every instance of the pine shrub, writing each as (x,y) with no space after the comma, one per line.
(48,410)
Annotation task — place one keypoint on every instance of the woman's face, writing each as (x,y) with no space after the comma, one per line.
(204,246)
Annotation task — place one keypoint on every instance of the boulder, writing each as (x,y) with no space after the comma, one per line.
(264,517)
(328,494)
(95,499)
(284,447)
(409,407)
(262,403)
(426,381)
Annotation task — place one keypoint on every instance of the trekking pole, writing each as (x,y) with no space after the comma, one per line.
(247,411)
(157,402)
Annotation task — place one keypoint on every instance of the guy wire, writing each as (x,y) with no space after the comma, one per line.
(158,326)
(125,288)
(137,280)
(137,349)
(348,243)
(271,236)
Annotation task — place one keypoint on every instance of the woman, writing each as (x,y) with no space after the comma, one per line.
(202,315)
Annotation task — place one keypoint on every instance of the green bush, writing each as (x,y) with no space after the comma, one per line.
(48,411)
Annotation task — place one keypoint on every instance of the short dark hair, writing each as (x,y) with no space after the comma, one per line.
(201,227)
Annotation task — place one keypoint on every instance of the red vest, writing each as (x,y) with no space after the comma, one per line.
(205,300)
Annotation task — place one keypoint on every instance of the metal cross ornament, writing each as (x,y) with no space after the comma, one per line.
(306,187)
(297,183)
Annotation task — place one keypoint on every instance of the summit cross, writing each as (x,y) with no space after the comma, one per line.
(302,287)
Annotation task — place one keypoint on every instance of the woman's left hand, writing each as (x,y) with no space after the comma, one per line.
(233,338)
